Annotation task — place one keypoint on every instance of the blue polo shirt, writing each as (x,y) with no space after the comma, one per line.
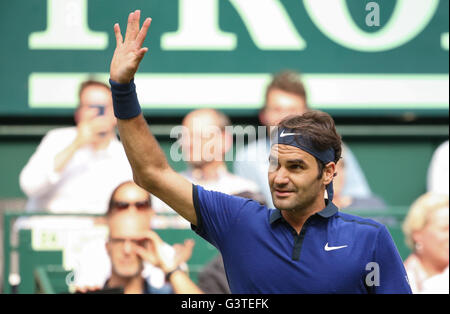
(262,253)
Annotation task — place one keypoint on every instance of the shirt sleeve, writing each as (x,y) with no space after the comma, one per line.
(386,274)
(38,176)
(216,213)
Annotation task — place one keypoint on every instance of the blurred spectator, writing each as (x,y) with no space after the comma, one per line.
(286,95)
(345,201)
(438,180)
(426,229)
(438,284)
(212,279)
(75,169)
(140,261)
(204,144)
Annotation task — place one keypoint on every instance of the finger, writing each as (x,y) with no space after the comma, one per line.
(129,27)
(135,24)
(143,32)
(90,114)
(153,236)
(189,242)
(146,256)
(119,39)
(141,53)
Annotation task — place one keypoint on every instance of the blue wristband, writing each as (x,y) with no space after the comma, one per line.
(125,101)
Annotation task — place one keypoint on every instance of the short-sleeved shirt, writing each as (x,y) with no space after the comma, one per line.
(333,253)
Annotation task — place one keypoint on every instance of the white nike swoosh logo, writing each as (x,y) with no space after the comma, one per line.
(332,248)
(287,134)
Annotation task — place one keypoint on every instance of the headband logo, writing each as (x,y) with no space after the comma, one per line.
(288,134)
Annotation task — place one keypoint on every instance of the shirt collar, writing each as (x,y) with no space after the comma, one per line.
(327,212)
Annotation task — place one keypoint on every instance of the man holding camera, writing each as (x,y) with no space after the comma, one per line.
(75,169)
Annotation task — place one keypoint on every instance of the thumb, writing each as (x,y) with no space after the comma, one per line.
(142,52)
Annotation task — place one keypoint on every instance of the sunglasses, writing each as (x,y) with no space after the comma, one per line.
(124,205)
(121,241)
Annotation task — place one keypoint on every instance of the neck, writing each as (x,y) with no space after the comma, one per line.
(429,266)
(297,217)
(208,171)
(133,285)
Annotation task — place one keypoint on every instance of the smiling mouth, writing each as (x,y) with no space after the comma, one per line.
(281,194)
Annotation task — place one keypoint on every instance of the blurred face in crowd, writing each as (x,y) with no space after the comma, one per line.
(294,178)
(95,95)
(339,180)
(205,141)
(128,222)
(280,104)
(433,239)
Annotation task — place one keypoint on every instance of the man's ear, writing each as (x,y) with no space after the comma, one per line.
(328,172)
(262,116)
(76,115)
(108,247)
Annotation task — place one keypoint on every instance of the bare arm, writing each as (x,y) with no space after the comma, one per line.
(150,168)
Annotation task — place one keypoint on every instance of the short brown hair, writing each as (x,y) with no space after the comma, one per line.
(288,81)
(318,127)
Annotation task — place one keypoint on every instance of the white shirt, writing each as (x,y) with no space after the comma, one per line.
(438,172)
(86,183)
(438,284)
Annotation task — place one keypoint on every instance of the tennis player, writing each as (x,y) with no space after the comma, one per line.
(304,245)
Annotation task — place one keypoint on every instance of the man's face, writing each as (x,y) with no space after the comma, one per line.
(434,237)
(280,104)
(293,178)
(339,180)
(94,96)
(127,229)
(204,141)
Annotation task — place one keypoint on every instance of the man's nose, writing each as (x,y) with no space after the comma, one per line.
(128,247)
(281,176)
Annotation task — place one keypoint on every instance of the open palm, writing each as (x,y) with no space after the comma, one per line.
(129,52)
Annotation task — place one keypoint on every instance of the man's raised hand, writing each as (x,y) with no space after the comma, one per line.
(129,52)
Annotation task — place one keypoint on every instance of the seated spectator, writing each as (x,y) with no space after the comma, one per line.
(204,144)
(438,180)
(75,169)
(286,95)
(347,201)
(131,248)
(212,279)
(437,284)
(426,229)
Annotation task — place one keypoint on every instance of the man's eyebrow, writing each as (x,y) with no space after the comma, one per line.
(296,161)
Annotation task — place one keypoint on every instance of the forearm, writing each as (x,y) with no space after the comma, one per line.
(62,159)
(182,284)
